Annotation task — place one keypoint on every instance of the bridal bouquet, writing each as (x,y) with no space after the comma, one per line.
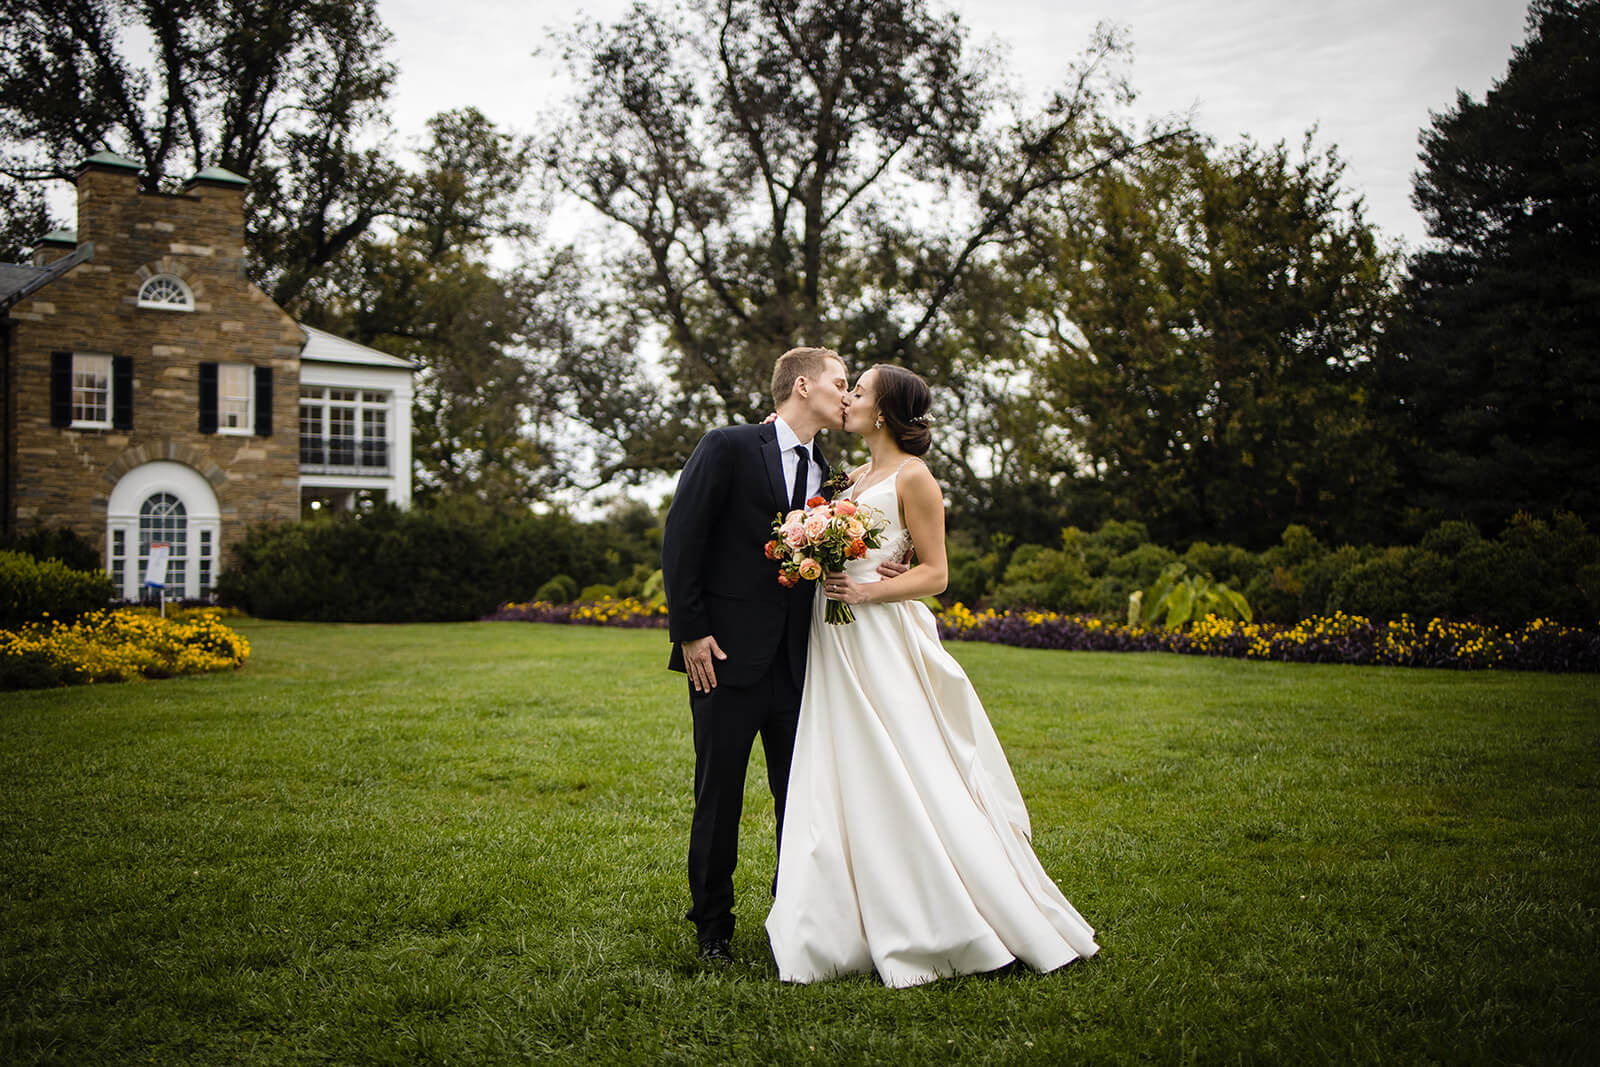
(811,541)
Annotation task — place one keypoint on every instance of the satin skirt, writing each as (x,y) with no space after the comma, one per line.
(905,845)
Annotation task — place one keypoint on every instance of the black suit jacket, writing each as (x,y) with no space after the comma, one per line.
(717,576)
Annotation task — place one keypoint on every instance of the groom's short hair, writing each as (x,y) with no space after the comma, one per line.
(798,363)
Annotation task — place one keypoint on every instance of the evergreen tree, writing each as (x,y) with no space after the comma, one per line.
(1497,367)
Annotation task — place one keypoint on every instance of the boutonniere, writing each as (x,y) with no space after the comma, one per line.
(839,479)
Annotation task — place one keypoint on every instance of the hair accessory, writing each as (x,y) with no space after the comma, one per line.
(923,420)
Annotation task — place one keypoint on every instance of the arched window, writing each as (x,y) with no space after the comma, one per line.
(162,518)
(166,292)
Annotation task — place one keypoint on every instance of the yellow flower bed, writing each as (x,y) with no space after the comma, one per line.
(116,646)
(1542,644)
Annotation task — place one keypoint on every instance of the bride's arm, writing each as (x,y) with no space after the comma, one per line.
(923,507)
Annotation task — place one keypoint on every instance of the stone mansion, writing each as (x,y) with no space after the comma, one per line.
(150,392)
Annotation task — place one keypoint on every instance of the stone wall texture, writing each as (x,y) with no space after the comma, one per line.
(64,476)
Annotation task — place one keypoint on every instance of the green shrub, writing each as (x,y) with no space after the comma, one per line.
(61,543)
(1178,599)
(654,591)
(1532,570)
(972,571)
(389,565)
(32,589)
(35,669)
(559,590)
(591,593)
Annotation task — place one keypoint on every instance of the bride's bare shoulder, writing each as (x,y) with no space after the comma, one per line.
(915,476)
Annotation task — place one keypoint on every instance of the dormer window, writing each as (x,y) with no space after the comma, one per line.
(166,292)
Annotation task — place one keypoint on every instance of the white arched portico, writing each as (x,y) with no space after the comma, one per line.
(163,501)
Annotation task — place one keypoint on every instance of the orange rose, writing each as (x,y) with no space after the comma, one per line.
(788,579)
(815,502)
(772,550)
(858,548)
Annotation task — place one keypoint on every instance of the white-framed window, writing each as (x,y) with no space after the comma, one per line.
(163,501)
(119,558)
(234,396)
(91,392)
(166,292)
(344,428)
(163,518)
(205,564)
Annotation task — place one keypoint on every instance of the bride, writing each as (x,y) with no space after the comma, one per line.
(905,845)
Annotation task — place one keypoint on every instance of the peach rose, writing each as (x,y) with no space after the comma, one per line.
(816,526)
(844,507)
(855,530)
(810,569)
(795,536)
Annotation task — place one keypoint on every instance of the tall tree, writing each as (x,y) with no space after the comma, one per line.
(280,92)
(26,218)
(1205,326)
(420,286)
(1498,361)
(780,172)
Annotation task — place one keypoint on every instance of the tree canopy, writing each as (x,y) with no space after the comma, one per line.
(1207,320)
(1497,365)
(280,93)
(829,171)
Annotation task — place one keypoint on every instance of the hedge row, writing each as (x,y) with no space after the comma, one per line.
(389,565)
(1533,569)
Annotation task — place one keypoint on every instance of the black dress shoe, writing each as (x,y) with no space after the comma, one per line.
(716,950)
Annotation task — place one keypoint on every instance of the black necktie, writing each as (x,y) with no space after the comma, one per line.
(797,499)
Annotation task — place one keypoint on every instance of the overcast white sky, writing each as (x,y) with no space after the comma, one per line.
(1367,72)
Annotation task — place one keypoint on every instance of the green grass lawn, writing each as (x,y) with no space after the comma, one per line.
(464,843)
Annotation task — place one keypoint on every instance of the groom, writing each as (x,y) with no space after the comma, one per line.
(737,633)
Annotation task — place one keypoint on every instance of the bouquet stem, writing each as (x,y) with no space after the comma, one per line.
(838,613)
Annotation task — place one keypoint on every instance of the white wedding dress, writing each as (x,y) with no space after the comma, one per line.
(905,840)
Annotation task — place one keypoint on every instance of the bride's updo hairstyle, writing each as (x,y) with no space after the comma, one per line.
(903,401)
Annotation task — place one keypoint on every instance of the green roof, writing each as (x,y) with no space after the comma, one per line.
(219,174)
(111,159)
(60,237)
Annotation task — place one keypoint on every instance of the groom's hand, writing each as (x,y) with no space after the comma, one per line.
(890,568)
(700,657)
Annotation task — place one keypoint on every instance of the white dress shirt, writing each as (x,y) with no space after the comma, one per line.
(786,442)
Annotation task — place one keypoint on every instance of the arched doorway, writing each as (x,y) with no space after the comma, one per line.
(163,502)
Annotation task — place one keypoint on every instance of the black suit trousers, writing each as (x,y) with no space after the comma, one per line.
(727,721)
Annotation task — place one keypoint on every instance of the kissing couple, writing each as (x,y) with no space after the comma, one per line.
(903,842)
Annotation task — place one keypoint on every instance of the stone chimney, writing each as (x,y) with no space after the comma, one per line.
(107,184)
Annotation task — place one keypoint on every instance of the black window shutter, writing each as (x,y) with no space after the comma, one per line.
(263,401)
(208,398)
(122,392)
(61,389)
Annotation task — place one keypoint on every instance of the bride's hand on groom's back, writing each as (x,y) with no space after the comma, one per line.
(893,568)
